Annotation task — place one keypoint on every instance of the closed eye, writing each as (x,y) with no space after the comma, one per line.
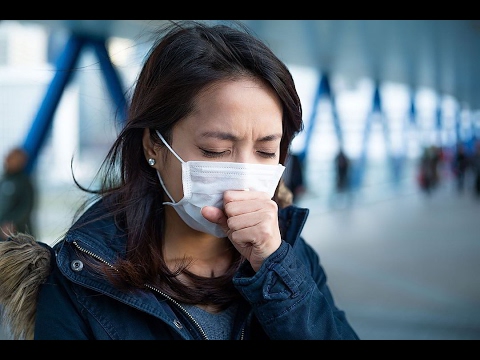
(267,155)
(213,154)
(218,154)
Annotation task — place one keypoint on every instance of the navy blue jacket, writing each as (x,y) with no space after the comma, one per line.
(288,298)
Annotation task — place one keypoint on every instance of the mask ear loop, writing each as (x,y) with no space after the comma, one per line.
(169,147)
(158,173)
(164,188)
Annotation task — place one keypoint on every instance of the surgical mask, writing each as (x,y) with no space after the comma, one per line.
(204,183)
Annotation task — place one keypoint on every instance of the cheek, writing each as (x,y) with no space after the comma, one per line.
(172,178)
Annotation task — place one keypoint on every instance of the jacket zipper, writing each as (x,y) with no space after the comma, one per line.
(185,311)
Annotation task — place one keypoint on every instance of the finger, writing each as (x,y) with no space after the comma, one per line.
(254,220)
(239,207)
(215,215)
(235,195)
(260,240)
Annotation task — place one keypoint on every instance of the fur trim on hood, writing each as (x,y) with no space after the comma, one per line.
(24,266)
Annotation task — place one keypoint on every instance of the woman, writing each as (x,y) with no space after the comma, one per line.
(186,239)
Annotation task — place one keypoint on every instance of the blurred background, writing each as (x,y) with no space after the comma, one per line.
(387,104)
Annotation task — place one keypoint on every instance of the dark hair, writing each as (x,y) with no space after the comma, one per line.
(186,58)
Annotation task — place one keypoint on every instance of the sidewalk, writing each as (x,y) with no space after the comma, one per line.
(405,266)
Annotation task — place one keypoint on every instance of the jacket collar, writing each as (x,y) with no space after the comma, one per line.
(292,219)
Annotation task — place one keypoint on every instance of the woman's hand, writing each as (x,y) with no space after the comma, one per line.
(250,219)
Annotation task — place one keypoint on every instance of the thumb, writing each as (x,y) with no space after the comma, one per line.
(215,215)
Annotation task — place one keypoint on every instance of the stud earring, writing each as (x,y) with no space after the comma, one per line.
(151,161)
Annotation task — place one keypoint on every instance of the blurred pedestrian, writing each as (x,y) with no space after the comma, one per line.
(294,177)
(460,166)
(17,195)
(428,177)
(342,171)
(475,163)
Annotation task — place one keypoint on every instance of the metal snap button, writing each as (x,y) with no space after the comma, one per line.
(76,265)
(178,324)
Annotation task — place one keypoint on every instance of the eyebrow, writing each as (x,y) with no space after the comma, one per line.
(228,136)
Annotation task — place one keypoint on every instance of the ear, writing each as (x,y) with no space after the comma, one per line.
(150,149)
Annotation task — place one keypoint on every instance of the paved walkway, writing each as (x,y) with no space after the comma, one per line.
(405,266)
(402,265)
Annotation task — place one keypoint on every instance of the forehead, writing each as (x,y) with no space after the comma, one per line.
(236,103)
(235,84)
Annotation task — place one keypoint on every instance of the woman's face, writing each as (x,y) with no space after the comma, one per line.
(234,121)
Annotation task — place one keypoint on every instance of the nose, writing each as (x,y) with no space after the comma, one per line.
(243,159)
(248,156)
(245,154)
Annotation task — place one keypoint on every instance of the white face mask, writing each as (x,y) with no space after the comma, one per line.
(204,183)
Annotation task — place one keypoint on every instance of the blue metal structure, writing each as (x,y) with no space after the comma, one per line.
(386,50)
(323,90)
(65,69)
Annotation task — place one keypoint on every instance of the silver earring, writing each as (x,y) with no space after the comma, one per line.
(151,161)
